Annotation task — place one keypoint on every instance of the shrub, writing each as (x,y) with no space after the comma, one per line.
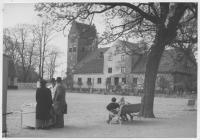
(79,84)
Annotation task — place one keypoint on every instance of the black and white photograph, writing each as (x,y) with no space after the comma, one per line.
(99,69)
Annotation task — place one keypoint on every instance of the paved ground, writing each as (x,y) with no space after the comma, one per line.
(87,116)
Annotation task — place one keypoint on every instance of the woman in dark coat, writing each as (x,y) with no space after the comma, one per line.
(44,104)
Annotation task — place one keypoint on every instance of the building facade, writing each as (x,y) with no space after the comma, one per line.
(114,65)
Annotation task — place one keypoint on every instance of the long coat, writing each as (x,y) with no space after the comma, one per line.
(44,103)
(59,103)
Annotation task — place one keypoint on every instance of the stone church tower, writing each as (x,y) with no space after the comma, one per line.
(80,37)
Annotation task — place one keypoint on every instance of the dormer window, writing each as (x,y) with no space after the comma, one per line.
(109,58)
(122,57)
(117,48)
(101,54)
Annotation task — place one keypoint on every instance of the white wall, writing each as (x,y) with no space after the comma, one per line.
(92,76)
(116,63)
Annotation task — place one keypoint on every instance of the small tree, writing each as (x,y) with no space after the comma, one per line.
(80,84)
(107,83)
(163,83)
(89,83)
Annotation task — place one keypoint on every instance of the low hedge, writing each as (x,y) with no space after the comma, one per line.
(12,87)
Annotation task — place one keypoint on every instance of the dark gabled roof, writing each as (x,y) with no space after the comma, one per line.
(11,69)
(86,30)
(88,56)
(131,46)
(94,66)
(166,64)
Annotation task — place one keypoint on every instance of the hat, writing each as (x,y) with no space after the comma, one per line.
(113,99)
(58,79)
(42,82)
(53,80)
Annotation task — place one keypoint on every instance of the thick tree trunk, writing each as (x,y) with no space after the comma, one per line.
(150,75)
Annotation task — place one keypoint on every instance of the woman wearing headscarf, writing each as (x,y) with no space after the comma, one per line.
(44,104)
(123,102)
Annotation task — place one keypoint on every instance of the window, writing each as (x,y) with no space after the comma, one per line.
(110,58)
(70,50)
(74,49)
(124,80)
(98,80)
(101,55)
(117,48)
(109,70)
(89,80)
(122,69)
(134,80)
(123,57)
(83,49)
(79,79)
(109,80)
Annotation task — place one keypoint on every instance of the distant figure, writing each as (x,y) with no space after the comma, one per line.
(113,107)
(44,104)
(59,104)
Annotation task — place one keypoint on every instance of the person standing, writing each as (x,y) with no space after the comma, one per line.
(52,87)
(59,103)
(44,104)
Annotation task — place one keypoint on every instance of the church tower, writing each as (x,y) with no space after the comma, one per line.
(80,37)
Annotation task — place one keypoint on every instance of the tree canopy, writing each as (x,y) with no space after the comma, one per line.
(159,24)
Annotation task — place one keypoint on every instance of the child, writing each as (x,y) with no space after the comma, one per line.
(113,107)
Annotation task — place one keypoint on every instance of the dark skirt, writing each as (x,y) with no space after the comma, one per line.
(60,120)
(42,113)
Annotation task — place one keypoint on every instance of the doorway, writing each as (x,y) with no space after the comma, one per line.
(116,80)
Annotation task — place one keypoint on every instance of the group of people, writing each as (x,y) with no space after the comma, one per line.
(51,105)
(114,108)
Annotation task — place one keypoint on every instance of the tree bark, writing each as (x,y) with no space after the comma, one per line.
(151,74)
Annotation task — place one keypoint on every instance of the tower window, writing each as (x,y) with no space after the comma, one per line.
(74,49)
(70,50)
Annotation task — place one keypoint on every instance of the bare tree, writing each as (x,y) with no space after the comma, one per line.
(10,45)
(45,33)
(52,60)
(160,24)
(20,43)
